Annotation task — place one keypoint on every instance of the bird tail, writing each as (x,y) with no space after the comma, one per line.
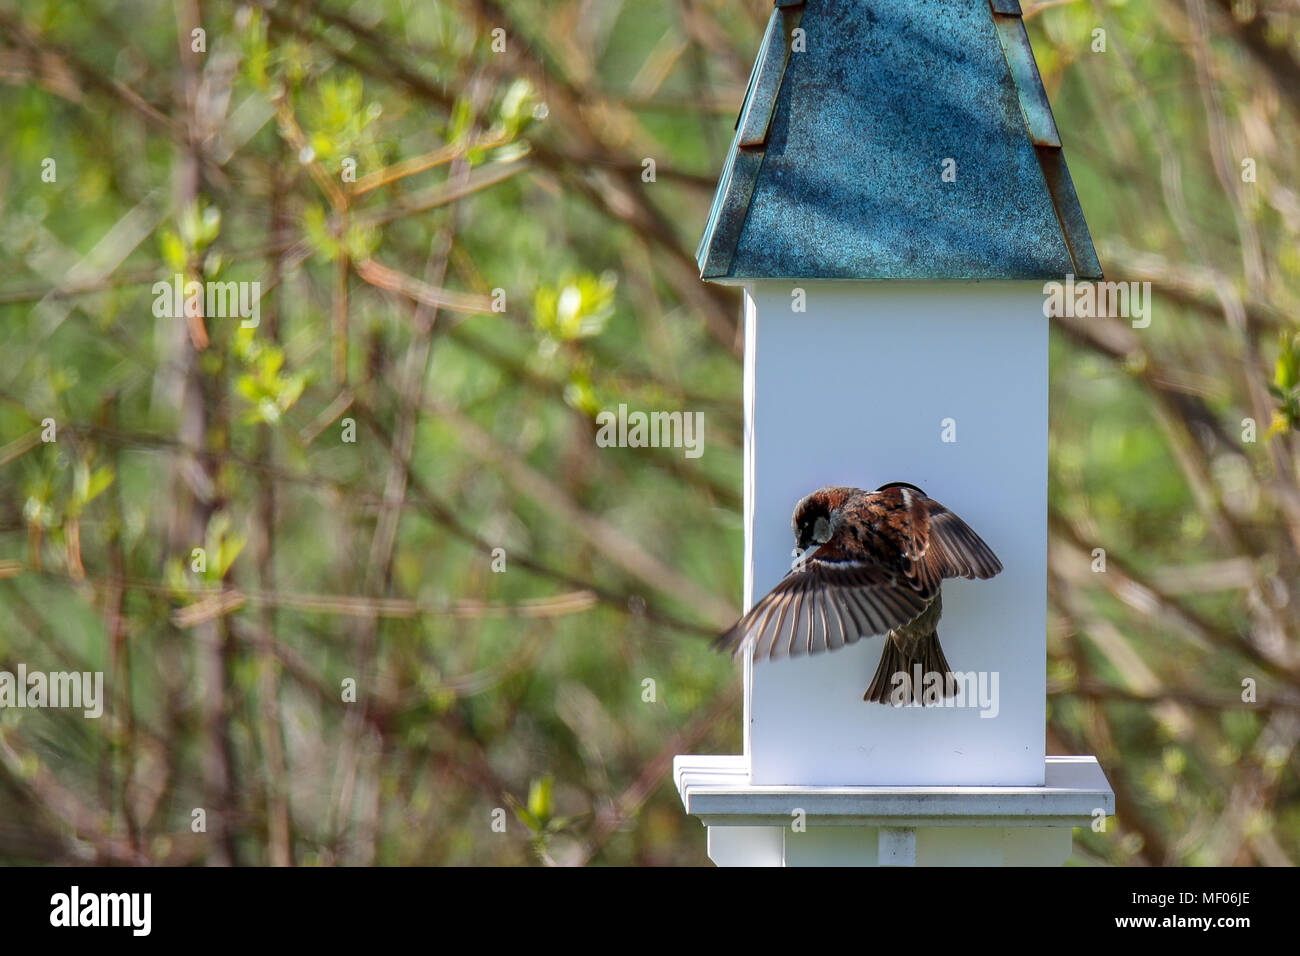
(903,674)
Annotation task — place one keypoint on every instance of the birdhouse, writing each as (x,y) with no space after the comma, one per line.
(892,205)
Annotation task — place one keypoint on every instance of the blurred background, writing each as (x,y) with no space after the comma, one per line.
(430,621)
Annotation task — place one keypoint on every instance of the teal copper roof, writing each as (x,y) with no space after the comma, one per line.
(854,111)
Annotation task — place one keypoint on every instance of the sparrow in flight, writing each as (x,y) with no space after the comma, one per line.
(868,562)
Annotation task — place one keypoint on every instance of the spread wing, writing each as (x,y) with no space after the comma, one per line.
(825,606)
(955,551)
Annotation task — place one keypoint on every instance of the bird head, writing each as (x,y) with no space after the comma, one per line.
(817,516)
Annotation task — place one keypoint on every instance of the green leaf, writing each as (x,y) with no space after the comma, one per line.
(462,117)
(228,550)
(540,793)
(99,480)
(518,107)
(173,250)
(577,307)
(524,815)
(1286,374)
(319,234)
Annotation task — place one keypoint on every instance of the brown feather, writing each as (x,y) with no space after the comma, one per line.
(882,567)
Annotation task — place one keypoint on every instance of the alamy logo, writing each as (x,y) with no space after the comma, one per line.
(974,689)
(134,910)
(651,430)
(83,690)
(221,300)
(1090,300)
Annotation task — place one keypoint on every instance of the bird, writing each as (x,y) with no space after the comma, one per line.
(868,563)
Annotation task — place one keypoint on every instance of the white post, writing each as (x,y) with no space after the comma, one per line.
(896,846)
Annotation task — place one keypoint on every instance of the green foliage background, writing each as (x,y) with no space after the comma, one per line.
(517,177)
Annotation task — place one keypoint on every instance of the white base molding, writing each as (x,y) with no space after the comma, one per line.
(890,826)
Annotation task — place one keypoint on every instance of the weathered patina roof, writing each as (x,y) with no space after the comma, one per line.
(836,167)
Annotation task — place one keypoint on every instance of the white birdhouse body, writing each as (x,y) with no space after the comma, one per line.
(943,385)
